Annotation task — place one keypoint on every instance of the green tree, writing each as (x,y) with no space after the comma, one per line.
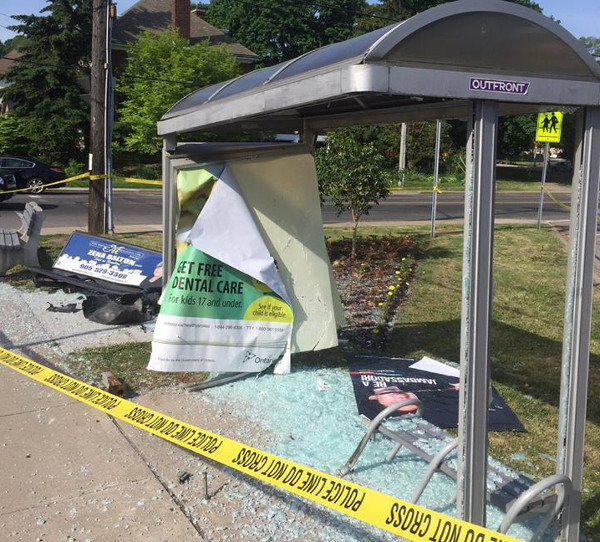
(516,134)
(279,30)
(386,12)
(161,69)
(15,42)
(352,173)
(403,9)
(12,138)
(592,45)
(44,84)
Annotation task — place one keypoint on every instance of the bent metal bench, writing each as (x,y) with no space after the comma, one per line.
(21,246)
(515,494)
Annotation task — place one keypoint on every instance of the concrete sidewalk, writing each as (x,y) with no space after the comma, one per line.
(73,473)
(70,472)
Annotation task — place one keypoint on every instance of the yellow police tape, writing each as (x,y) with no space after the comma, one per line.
(554,199)
(131,180)
(407,520)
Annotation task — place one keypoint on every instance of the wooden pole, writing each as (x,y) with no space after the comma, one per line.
(97,190)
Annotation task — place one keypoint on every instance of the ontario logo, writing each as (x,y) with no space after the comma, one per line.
(251,357)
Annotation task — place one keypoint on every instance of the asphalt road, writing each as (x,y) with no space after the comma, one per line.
(67,210)
(416,207)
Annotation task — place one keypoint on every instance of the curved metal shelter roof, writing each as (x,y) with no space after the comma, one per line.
(425,67)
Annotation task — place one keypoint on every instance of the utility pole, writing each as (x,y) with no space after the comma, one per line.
(97,190)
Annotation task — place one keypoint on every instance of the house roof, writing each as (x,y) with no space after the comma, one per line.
(8,61)
(155,16)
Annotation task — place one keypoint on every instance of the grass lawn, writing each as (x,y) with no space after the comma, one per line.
(509,178)
(526,343)
(526,338)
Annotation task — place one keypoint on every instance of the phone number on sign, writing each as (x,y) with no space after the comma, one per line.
(102,271)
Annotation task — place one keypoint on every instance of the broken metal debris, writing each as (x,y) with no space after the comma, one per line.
(205,477)
(70,307)
(184,477)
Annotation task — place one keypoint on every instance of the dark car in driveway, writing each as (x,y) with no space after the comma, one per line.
(32,174)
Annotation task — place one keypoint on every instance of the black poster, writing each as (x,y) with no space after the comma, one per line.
(380,382)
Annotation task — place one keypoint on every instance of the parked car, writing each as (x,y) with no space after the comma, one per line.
(562,165)
(32,174)
(8,181)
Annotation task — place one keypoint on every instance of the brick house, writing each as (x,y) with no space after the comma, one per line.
(159,15)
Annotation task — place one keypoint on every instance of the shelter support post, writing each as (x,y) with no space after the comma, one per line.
(308,136)
(578,313)
(402,154)
(476,311)
(170,206)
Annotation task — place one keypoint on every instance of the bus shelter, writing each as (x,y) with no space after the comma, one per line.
(473,60)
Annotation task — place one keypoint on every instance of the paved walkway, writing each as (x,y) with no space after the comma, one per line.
(69,472)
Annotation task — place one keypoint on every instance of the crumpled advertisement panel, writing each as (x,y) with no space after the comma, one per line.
(225,307)
(261,218)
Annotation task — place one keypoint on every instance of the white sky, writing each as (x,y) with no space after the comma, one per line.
(580,17)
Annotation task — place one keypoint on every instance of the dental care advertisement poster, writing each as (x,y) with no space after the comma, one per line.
(225,308)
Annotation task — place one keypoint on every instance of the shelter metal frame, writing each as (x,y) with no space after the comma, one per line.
(464,60)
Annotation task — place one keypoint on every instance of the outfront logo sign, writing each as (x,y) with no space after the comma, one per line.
(480,84)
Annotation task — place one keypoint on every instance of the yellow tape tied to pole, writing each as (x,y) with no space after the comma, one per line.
(87,175)
(407,520)
(555,199)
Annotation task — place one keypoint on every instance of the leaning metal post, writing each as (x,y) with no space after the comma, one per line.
(578,312)
(544,172)
(169,201)
(436,174)
(476,311)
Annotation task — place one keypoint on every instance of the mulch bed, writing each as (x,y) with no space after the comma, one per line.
(372,285)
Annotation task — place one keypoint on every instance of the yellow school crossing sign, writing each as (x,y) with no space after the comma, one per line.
(549,126)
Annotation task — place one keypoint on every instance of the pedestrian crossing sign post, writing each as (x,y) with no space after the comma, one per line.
(549,126)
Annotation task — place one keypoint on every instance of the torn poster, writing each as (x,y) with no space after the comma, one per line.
(379,382)
(225,308)
(282,195)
